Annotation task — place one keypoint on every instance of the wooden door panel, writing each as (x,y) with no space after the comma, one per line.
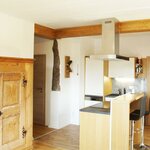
(13,108)
(11,90)
(11,76)
(12,111)
(10,129)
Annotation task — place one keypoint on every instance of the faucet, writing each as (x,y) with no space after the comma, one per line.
(119,90)
(124,91)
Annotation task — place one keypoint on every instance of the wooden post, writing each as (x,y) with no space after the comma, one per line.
(56,68)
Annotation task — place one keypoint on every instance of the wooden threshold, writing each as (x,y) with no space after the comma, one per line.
(39,130)
(91,30)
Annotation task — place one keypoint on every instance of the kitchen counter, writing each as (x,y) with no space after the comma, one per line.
(100,108)
(129,97)
(104,107)
(106,125)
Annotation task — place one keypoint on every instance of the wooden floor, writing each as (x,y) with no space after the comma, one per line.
(68,139)
(147,135)
(39,131)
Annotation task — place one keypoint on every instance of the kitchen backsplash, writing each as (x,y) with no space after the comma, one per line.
(139,85)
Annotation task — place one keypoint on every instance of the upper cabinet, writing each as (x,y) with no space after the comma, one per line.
(95,77)
(122,68)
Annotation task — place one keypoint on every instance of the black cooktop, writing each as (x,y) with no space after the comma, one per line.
(113,95)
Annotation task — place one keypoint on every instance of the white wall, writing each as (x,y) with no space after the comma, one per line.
(135,44)
(16,37)
(72,89)
(65,105)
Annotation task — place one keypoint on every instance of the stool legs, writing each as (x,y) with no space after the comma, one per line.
(142,132)
(142,145)
(132,136)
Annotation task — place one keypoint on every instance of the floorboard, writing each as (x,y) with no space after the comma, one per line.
(147,135)
(67,138)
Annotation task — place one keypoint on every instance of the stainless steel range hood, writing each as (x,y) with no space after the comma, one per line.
(110,41)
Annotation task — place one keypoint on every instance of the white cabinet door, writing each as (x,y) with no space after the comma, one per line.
(94,77)
(122,68)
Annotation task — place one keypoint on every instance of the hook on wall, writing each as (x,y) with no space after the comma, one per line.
(68,69)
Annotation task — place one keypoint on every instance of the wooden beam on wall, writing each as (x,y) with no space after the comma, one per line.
(134,26)
(124,27)
(44,32)
(79,31)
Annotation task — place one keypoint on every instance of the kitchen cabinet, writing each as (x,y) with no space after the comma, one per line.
(102,128)
(16,77)
(94,131)
(122,69)
(96,82)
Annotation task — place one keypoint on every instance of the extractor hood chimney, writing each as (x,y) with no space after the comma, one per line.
(110,41)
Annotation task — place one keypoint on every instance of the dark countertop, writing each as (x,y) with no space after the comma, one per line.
(100,108)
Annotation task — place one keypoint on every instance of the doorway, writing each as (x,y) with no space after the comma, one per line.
(39,94)
(39,103)
(42,86)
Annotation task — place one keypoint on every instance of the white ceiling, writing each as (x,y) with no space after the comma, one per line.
(67,13)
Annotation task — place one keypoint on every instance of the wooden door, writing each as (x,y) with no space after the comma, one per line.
(12,111)
(39,89)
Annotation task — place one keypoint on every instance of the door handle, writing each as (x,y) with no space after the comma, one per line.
(1,113)
(40,89)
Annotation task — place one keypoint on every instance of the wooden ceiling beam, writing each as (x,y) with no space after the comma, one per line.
(124,27)
(79,31)
(134,26)
(44,32)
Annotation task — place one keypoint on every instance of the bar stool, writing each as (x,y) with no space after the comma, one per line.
(142,145)
(135,116)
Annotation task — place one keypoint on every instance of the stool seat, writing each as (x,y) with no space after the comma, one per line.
(147,113)
(135,115)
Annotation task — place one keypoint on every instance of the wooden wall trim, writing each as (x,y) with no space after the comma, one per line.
(18,60)
(91,30)
(79,31)
(134,26)
(44,32)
